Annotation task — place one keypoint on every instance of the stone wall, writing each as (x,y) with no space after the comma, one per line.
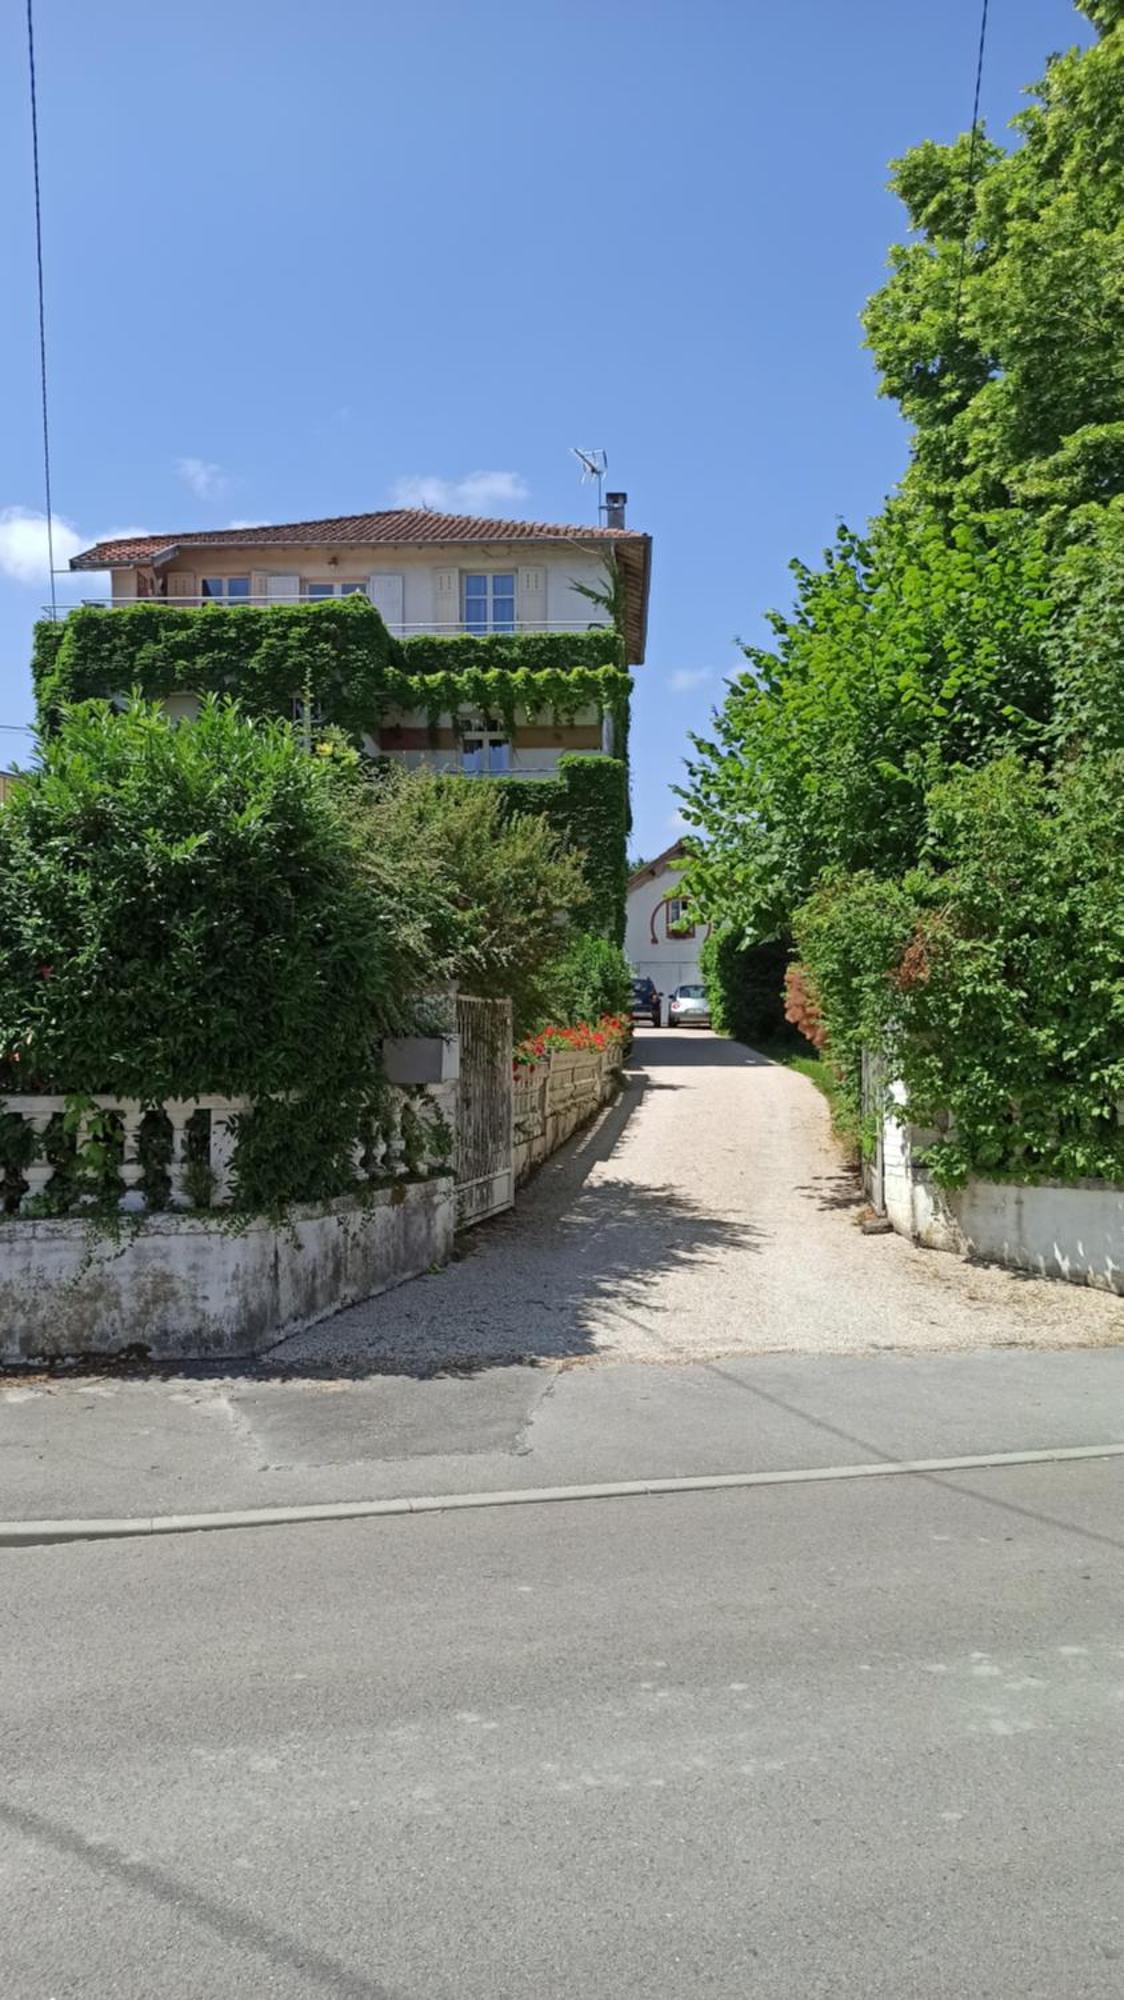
(554,1097)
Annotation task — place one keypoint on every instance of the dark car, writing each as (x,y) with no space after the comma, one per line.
(645,1001)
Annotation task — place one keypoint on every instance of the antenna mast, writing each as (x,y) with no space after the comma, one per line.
(594,465)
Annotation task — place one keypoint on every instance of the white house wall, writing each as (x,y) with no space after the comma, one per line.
(670,962)
(566,608)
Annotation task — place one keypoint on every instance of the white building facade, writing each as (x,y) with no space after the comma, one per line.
(660,941)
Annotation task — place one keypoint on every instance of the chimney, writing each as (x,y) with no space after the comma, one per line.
(615,504)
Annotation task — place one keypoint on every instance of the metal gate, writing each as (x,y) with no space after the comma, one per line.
(485,1110)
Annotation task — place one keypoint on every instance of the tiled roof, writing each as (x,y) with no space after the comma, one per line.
(402,525)
(648,870)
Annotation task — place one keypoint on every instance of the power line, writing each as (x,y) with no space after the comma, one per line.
(42,315)
(973,158)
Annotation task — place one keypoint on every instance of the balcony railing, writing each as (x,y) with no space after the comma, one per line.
(473,628)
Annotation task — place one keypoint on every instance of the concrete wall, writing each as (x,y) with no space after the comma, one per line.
(190,1286)
(652,954)
(1055,1229)
(553,1098)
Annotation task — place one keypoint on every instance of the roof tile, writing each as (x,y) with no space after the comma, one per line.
(401,525)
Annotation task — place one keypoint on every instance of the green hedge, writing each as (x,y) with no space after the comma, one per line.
(587,803)
(745,986)
(266,656)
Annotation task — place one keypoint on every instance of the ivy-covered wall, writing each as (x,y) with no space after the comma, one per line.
(268,656)
(340,651)
(587,803)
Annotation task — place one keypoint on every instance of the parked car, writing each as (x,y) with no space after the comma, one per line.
(689,1008)
(646,1001)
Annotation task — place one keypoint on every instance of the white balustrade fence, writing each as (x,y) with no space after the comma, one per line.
(180,1155)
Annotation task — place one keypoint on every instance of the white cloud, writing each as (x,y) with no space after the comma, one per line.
(206,481)
(684,679)
(23,544)
(677,824)
(476,493)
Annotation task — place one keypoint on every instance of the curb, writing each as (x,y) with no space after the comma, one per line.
(37,1534)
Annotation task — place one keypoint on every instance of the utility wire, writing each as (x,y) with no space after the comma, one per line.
(42,315)
(973,161)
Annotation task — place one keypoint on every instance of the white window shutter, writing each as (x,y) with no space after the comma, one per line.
(283,589)
(181,583)
(258,582)
(530,608)
(387,592)
(447,599)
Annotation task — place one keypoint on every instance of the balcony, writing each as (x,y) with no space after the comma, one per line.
(507,627)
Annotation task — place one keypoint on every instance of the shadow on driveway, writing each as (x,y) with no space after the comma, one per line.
(533,1284)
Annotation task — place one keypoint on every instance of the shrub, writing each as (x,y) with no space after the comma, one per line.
(193,909)
(592,979)
(495,893)
(992,977)
(745,986)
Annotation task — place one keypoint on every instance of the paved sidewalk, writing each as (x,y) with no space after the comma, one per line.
(117,1447)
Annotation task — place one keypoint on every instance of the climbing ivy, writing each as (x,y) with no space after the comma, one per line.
(338,652)
(587,804)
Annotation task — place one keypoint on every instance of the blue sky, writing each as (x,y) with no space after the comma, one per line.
(301,258)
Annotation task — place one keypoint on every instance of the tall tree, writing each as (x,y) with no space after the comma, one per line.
(1001,330)
(980,612)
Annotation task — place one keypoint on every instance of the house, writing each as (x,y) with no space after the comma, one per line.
(500,649)
(660,941)
(8,781)
(431,576)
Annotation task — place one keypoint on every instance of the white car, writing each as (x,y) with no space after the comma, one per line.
(688,1007)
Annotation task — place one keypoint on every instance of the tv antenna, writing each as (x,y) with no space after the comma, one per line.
(594,465)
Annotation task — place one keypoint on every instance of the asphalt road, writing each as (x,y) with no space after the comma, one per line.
(848,1740)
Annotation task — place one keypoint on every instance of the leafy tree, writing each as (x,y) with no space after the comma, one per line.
(496,894)
(916,649)
(1001,330)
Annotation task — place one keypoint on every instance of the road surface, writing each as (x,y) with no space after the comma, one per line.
(837,1740)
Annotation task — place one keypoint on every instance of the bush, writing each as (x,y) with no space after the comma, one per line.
(745,986)
(188,910)
(992,977)
(591,980)
(494,893)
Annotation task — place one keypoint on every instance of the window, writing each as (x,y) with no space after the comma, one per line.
(226,589)
(488,602)
(485,750)
(678,921)
(315,591)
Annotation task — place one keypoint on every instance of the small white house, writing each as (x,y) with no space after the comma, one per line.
(660,941)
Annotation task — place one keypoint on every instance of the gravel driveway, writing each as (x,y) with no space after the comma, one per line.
(706,1213)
